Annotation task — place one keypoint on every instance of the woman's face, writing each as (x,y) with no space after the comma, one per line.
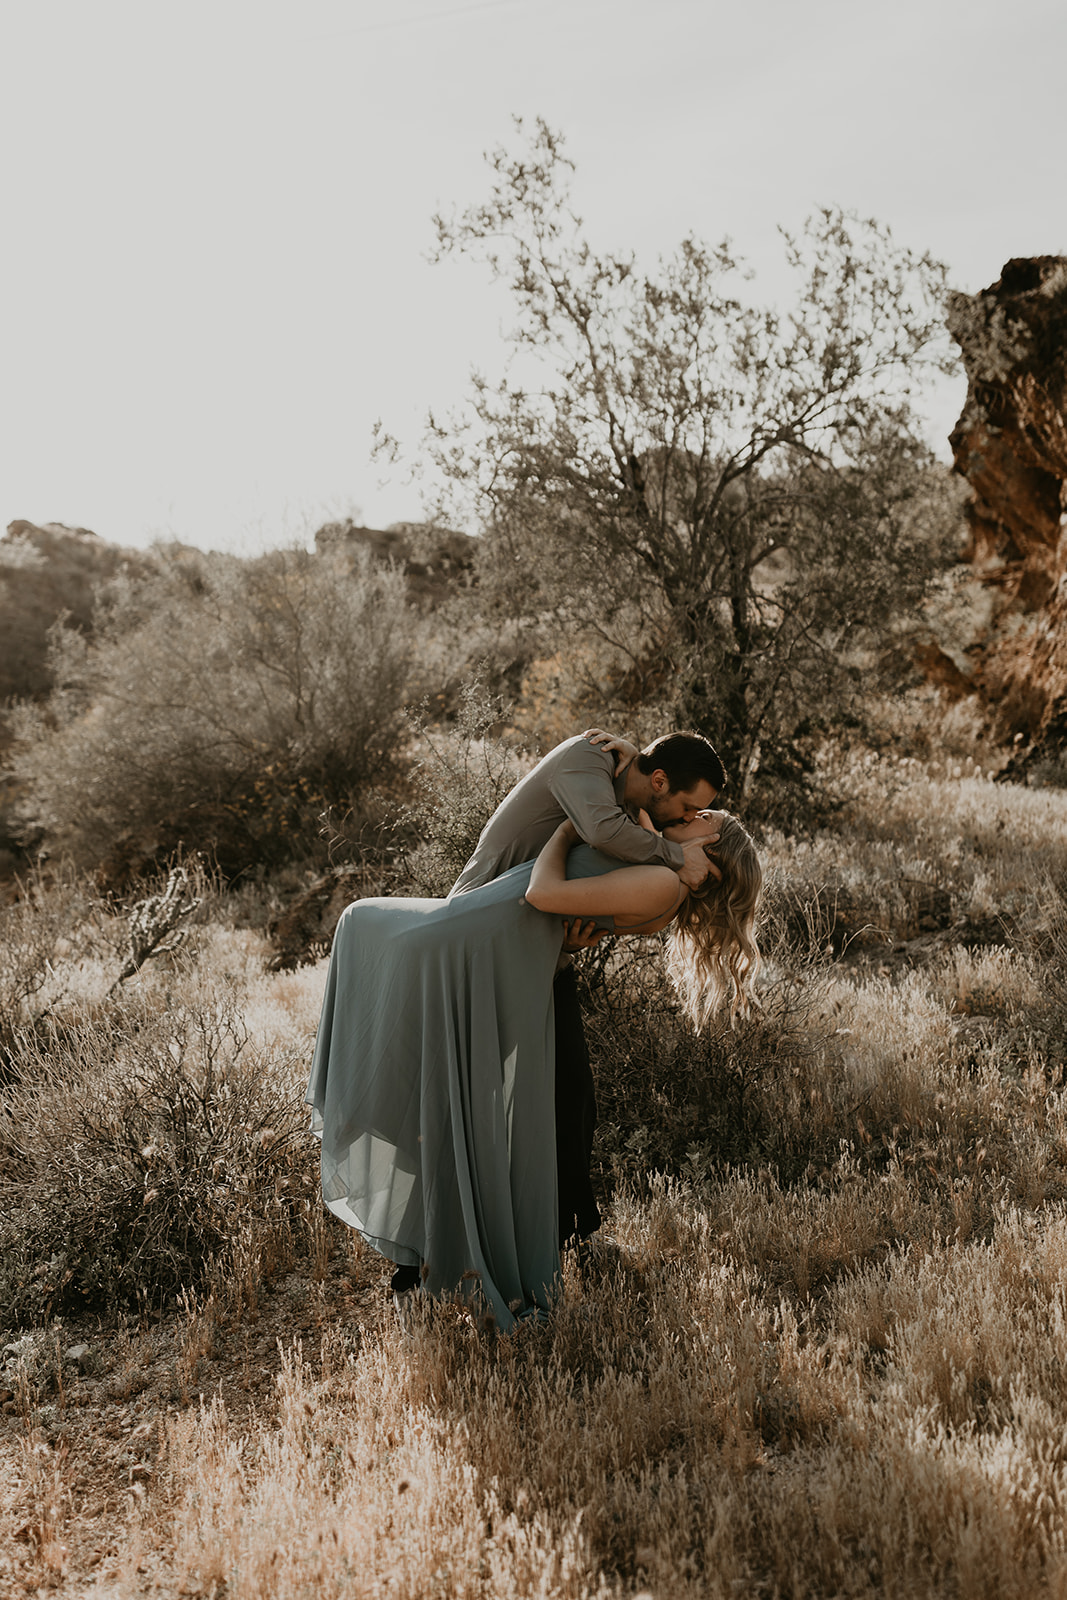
(704,828)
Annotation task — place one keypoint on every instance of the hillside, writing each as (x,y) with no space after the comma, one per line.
(49,571)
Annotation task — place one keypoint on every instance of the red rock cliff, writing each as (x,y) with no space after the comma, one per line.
(1010,444)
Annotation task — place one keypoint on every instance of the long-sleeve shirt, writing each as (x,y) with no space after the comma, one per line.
(574,780)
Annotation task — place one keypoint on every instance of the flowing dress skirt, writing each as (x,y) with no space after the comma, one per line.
(432,1089)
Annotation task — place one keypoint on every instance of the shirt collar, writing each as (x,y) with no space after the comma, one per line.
(619,785)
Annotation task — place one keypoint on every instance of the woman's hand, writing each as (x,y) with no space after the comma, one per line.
(621,749)
(567,833)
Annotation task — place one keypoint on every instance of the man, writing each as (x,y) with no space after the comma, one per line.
(670,781)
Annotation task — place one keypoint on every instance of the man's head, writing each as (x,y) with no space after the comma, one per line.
(675,777)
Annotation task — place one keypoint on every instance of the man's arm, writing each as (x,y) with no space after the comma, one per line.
(582,787)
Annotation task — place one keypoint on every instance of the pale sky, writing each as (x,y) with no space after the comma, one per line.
(216,216)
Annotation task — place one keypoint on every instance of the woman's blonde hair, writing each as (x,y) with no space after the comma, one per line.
(712,955)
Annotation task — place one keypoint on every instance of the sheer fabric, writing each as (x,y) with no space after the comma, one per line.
(432,1087)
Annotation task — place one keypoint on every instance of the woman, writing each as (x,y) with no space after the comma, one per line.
(432,1080)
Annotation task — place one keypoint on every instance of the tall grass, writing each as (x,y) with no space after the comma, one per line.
(686,1427)
(825,1353)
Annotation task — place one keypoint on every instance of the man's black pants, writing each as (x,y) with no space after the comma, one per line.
(575,1123)
(575,1114)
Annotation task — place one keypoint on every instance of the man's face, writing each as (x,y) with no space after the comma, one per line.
(703,829)
(677,805)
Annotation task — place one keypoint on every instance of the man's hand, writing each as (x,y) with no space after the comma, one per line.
(696,865)
(579,935)
(621,749)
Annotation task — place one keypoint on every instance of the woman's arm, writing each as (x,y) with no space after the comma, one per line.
(632,894)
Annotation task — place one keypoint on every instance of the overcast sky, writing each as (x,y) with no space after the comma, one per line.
(216,216)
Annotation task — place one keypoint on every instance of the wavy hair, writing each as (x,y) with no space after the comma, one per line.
(712,954)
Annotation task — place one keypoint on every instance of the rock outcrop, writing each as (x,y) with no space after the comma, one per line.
(1010,444)
(433,560)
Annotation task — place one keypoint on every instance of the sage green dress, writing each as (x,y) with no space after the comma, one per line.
(432,1087)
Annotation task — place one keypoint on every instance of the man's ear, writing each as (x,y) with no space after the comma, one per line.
(660,781)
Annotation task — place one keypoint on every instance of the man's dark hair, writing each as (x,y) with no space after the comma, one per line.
(686,758)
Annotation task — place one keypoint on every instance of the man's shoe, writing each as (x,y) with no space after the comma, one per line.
(597,1255)
(405,1284)
(404,1306)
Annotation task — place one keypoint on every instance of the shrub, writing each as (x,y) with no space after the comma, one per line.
(222,705)
(670,1099)
(47,913)
(48,574)
(138,1142)
(461,776)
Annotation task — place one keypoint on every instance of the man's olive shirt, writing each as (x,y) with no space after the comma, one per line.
(574,780)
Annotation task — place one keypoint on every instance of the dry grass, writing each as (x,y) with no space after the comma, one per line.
(680,1427)
(826,1356)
